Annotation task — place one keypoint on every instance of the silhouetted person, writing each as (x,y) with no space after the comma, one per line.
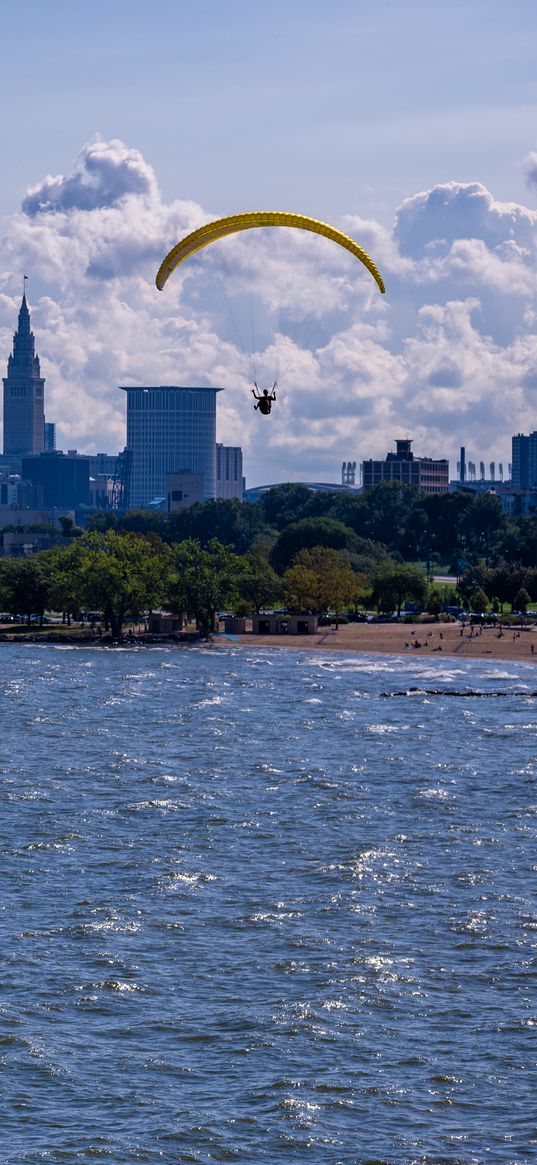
(264,399)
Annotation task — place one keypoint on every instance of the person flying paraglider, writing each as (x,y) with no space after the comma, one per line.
(264,399)
(212,232)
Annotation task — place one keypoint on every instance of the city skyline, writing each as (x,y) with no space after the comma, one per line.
(436,180)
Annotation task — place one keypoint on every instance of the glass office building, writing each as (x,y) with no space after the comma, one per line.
(170,429)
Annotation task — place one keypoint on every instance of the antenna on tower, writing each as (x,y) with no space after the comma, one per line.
(24,278)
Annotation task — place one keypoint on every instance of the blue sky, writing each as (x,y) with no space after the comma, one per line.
(347,112)
(332,109)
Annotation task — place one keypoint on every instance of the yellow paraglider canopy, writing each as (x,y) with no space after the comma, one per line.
(264,218)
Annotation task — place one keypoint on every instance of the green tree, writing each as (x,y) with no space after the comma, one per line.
(482,522)
(284,504)
(122,575)
(102,521)
(337,584)
(205,581)
(231,522)
(516,543)
(387,505)
(521,600)
(68,527)
(472,577)
(480,601)
(503,582)
(146,522)
(24,586)
(258,584)
(310,532)
(300,588)
(434,601)
(530,582)
(445,513)
(66,580)
(394,582)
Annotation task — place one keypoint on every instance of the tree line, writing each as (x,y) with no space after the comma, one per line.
(126,575)
(450,529)
(305,550)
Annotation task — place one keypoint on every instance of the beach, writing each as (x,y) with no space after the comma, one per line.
(402,638)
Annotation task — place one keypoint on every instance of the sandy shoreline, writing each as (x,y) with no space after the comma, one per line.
(436,640)
(432,639)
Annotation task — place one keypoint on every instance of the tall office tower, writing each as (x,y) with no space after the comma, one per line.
(170,430)
(24,418)
(50,437)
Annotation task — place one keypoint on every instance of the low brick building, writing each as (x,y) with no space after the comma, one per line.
(284,624)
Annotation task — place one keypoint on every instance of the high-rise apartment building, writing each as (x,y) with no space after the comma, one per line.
(24,417)
(170,429)
(524,470)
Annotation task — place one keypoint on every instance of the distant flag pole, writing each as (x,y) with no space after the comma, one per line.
(24,278)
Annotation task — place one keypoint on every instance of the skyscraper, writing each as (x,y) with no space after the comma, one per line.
(229,479)
(170,429)
(24,418)
(524,472)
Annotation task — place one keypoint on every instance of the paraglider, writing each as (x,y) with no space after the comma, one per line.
(220,228)
(265,399)
(262,218)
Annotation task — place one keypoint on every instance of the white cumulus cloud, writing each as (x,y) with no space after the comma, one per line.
(448,356)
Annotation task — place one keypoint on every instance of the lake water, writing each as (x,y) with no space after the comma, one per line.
(267,907)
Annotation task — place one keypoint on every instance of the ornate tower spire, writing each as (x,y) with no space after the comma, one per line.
(23,392)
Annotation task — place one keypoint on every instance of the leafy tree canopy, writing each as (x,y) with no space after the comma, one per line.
(311,532)
(205,580)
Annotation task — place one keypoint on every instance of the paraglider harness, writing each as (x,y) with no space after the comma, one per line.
(264,399)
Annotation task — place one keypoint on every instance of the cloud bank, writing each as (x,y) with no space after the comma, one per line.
(448,357)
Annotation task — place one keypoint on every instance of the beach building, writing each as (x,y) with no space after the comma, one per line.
(430,475)
(284,624)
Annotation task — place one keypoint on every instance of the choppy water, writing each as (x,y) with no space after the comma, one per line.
(254,911)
